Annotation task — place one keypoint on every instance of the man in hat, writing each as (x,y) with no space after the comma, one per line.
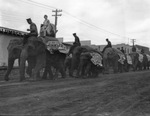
(108,45)
(33,28)
(77,40)
(75,44)
(32,31)
(122,50)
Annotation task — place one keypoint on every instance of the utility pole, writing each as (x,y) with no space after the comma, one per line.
(133,41)
(56,15)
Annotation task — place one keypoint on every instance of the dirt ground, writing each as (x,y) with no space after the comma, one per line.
(124,94)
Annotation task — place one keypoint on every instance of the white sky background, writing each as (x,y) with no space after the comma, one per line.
(93,20)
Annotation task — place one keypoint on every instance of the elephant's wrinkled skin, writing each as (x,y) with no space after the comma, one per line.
(110,58)
(14,50)
(86,67)
(34,48)
(67,63)
(56,60)
(76,57)
(137,65)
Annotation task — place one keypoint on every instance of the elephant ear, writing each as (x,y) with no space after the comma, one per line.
(14,42)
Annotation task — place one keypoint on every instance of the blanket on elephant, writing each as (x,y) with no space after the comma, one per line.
(116,51)
(148,57)
(96,59)
(129,59)
(121,55)
(140,57)
(51,43)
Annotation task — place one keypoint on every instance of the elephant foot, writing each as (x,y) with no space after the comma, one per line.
(70,75)
(32,79)
(6,79)
(22,79)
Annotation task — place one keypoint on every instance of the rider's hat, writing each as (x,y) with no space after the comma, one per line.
(74,33)
(29,19)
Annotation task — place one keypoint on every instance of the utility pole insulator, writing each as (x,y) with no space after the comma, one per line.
(56,15)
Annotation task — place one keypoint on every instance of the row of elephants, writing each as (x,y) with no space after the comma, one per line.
(35,53)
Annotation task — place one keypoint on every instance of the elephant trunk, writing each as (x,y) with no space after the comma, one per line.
(9,68)
(23,58)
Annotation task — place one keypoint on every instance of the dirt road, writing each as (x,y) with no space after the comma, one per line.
(126,94)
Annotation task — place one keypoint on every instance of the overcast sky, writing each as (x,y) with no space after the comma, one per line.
(95,20)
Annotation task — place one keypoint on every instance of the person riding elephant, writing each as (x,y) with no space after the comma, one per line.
(47,28)
(76,57)
(108,45)
(112,57)
(32,31)
(75,44)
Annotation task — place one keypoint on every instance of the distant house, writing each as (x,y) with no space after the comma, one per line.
(139,48)
(6,35)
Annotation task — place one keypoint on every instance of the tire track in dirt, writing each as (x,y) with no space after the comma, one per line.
(42,95)
(67,97)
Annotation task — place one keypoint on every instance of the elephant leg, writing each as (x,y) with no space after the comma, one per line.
(87,70)
(10,66)
(51,76)
(40,63)
(115,66)
(23,58)
(74,65)
(62,70)
(45,73)
(31,65)
(106,66)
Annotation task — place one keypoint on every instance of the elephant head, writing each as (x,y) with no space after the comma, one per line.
(135,60)
(111,56)
(90,64)
(33,49)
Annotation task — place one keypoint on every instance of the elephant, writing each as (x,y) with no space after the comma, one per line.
(137,60)
(33,50)
(76,57)
(113,57)
(145,62)
(148,57)
(14,50)
(86,67)
(56,60)
(128,63)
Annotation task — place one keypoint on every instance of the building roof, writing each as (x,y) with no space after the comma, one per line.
(9,31)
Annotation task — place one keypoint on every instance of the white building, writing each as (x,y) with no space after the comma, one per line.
(6,35)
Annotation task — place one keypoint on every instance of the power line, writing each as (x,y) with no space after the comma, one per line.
(83,22)
(77,18)
(94,25)
(38,4)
